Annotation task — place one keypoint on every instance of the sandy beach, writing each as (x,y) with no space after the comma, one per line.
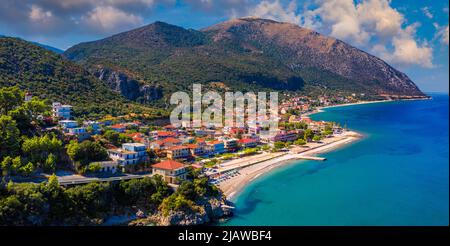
(249,172)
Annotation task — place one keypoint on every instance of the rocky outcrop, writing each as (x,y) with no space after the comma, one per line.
(208,211)
(128,87)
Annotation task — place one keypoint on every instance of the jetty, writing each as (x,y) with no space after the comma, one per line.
(312,158)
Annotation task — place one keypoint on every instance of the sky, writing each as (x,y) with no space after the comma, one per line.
(412,36)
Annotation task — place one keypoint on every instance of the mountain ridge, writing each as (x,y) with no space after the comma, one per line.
(244,53)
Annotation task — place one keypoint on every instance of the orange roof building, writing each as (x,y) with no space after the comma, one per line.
(172,171)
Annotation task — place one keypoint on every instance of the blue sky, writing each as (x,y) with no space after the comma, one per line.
(410,35)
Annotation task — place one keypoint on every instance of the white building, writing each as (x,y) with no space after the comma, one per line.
(67,124)
(61,111)
(28,96)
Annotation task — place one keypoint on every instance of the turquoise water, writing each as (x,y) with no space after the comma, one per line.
(397,175)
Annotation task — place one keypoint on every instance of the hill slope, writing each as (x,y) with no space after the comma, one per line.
(51,76)
(245,53)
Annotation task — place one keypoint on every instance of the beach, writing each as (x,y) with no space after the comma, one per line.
(249,170)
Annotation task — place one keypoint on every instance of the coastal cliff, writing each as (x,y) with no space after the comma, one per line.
(205,212)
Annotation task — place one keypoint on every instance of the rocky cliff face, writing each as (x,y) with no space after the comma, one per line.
(211,210)
(245,53)
(302,49)
(128,87)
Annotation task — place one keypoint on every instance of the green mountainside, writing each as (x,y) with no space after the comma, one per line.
(240,54)
(53,77)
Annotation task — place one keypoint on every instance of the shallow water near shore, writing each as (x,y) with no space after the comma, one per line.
(397,175)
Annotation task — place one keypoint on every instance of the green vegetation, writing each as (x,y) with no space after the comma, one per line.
(115,138)
(188,195)
(25,148)
(300,142)
(86,152)
(50,204)
(51,76)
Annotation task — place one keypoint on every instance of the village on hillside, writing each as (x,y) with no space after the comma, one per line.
(117,148)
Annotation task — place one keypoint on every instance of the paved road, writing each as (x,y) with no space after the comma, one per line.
(77,179)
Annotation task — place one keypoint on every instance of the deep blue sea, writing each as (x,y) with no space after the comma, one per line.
(397,175)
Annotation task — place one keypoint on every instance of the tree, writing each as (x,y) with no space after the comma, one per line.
(38,148)
(5,165)
(300,142)
(28,169)
(317,138)
(16,165)
(9,136)
(279,145)
(10,97)
(85,153)
(50,163)
(116,138)
(308,134)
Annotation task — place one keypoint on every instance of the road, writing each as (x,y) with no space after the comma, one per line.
(78,179)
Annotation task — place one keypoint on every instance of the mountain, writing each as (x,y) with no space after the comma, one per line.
(51,76)
(240,54)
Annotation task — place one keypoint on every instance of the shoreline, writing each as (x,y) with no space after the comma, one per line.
(321,109)
(232,187)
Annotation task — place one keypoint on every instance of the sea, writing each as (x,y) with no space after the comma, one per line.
(397,175)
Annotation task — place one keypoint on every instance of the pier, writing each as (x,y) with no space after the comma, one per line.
(312,158)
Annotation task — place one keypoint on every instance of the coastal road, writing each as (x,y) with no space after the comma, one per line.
(78,179)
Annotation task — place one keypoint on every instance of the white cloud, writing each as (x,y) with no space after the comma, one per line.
(426,11)
(360,24)
(37,14)
(442,33)
(276,11)
(107,19)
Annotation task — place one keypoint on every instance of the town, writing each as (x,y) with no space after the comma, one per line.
(102,149)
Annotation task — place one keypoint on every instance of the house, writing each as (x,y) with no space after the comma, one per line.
(139,148)
(129,154)
(171,171)
(120,128)
(80,133)
(216,147)
(284,136)
(124,157)
(178,152)
(231,144)
(248,142)
(28,96)
(195,149)
(66,124)
(204,132)
(165,143)
(61,111)
(159,135)
(108,166)
(139,138)
(95,125)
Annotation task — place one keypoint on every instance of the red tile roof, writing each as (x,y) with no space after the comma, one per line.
(171,140)
(178,147)
(166,134)
(118,126)
(192,146)
(247,140)
(169,165)
(215,142)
